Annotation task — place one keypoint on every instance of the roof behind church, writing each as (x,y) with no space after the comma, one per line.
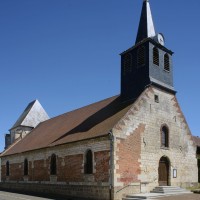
(196,140)
(88,122)
(33,114)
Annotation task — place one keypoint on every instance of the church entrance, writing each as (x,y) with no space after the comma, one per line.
(163,172)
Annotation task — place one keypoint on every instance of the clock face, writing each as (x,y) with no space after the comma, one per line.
(161,39)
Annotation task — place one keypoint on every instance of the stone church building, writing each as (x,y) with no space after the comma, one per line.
(129,143)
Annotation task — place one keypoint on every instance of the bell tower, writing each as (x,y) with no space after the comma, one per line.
(148,62)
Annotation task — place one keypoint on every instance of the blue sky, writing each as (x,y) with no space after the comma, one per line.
(65,53)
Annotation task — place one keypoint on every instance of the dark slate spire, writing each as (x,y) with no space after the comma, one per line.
(146,27)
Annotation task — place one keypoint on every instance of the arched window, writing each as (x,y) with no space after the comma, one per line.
(25,167)
(141,56)
(127,63)
(88,162)
(53,167)
(164,137)
(7,168)
(166,62)
(155,56)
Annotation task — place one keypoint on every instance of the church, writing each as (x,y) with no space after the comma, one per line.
(129,143)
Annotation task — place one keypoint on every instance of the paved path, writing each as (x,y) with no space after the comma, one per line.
(182,197)
(16,196)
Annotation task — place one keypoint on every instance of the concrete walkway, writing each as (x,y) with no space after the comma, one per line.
(168,196)
(182,197)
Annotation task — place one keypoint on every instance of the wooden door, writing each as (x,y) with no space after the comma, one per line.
(163,172)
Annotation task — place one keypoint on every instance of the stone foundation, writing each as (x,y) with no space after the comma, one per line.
(120,192)
(83,191)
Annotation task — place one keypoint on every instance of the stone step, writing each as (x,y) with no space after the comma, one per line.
(134,197)
(146,196)
(131,198)
(160,191)
(172,190)
(169,189)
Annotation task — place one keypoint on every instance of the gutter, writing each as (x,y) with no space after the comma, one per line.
(111,138)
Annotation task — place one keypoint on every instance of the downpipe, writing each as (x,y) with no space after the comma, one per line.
(111,138)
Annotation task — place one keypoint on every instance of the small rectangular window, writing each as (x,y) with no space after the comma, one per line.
(156,98)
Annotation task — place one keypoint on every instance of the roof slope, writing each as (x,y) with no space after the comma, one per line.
(88,122)
(33,114)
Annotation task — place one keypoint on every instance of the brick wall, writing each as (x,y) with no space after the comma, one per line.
(39,171)
(3,172)
(149,116)
(70,163)
(128,153)
(102,160)
(16,172)
(70,168)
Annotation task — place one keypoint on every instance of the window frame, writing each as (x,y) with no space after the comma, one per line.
(26,170)
(156,98)
(53,165)
(7,168)
(88,166)
(164,135)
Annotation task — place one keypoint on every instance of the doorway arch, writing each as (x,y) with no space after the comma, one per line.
(163,171)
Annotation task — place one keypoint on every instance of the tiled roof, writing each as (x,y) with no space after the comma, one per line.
(196,140)
(88,122)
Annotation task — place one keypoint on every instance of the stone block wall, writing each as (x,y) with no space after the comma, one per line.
(93,192)
(139,133)
(70,159)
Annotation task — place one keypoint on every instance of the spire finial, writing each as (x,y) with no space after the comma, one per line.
(146,27)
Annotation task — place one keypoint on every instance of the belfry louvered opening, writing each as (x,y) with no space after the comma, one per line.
(155,56)
(166,62)
(141,56)
(127,63)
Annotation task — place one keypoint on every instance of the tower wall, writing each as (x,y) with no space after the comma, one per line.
(158,73)
(145,120)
